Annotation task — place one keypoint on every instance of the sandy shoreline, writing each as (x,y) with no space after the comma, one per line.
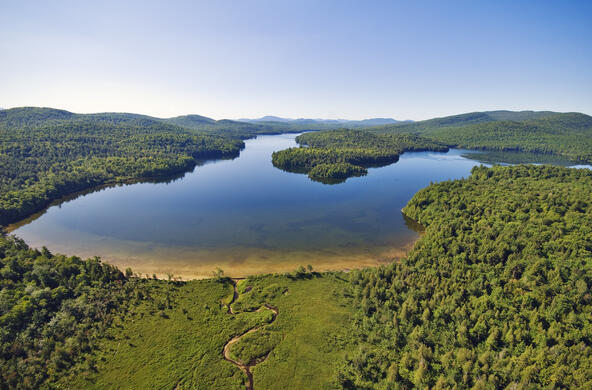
(241,262)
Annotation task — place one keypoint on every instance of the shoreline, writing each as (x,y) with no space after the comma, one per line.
(8,228)
(166,178)
(242,263)
(256,263)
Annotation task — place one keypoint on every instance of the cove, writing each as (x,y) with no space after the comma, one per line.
(246,217)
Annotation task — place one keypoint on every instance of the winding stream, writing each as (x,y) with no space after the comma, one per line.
(246,368)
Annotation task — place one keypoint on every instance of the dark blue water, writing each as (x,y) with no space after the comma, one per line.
(245,216)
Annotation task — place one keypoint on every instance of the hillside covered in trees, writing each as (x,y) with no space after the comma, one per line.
(48,153)
(565,134)
(333,156)
(27,116)
(496,293)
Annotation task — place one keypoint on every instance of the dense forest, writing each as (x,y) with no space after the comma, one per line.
(333,156)
(565,134)
(52,311)
(46,154)
(496,293)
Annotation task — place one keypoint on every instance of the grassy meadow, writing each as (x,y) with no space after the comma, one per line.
(174,336)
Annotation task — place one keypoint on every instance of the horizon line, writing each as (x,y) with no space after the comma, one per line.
(292,118)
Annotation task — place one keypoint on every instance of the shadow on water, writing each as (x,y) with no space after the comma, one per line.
(168,179)
(327,180)
(413,224)
(516,157)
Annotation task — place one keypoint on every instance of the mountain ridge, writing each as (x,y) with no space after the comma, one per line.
(345,122)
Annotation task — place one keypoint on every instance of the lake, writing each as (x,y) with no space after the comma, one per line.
(246,217)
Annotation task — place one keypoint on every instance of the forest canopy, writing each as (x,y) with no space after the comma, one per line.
(496,293)
(53,308)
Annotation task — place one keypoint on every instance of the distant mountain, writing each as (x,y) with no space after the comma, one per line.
(246,128)
(471,118)
(567,134)
(267,118)
(519,115)
(31,117)
(382,121)
(190,120)
(325,122)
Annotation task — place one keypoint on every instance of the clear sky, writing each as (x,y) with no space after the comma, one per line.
(330,59)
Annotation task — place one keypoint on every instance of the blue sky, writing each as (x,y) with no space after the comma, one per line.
(331,59)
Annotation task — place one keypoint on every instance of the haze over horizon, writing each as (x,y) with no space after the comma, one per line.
(335,60)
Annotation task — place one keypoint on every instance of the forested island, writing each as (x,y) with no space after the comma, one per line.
(495,294)
(333,156)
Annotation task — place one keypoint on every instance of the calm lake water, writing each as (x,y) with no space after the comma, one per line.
(245,216)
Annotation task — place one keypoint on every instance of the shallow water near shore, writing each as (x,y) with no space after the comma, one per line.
(246,217)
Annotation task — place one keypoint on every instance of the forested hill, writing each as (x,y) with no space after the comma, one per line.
(28,116)
(47,153)
(495,294)
(23,117)
(565,134)
(325,123)
(469,118)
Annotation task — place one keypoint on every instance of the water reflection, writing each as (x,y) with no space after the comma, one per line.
(510,157)
(246,216)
